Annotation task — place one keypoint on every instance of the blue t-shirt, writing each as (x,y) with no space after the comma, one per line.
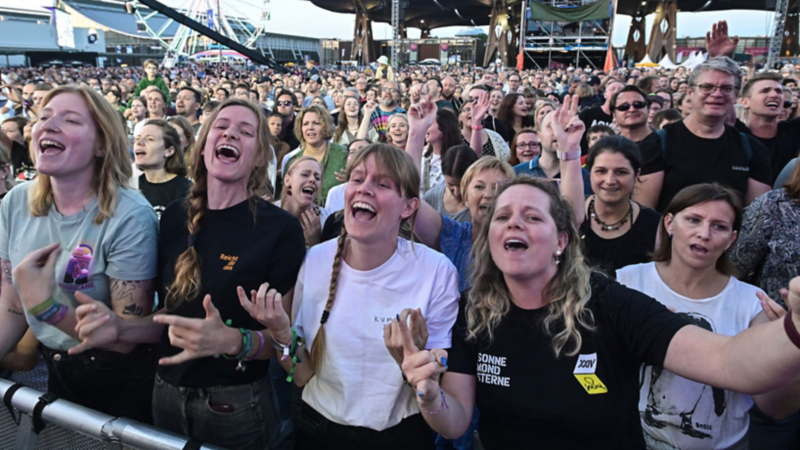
(455,242)
(533,169)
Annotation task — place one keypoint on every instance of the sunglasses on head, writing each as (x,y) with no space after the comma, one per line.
(637,105)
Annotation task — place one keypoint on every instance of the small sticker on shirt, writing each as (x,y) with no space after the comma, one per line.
(585,374)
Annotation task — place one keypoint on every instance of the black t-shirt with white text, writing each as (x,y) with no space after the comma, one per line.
(690,159)
(529,398)
(236,249)
(24,168)
(160,195)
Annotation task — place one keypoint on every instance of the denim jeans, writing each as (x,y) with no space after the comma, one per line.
(235,417)
(767,433)
(283,394)
(117,384)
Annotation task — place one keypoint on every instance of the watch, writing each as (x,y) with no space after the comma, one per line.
(568,156)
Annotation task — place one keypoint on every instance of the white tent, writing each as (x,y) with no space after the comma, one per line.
(646,62)
(694,60)
(667,63)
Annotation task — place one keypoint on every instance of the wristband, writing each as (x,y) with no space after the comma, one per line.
(791,330)
(477,127)
(568,156)
(442,405)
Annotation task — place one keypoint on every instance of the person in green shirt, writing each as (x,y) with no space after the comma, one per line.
(152,79)
(314,128)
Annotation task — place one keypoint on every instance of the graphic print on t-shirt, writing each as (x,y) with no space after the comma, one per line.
(490,370)
(585,374)
(79,269)
(673,401)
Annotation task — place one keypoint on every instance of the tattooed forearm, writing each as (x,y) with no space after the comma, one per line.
(132,298)
(124,290)
(5,268)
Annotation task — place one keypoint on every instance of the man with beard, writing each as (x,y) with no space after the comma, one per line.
(389,104)
(448,92)
(314,88)
(435,90)
(187,103)
(285,104)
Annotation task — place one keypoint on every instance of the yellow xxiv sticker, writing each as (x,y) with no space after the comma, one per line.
(585,374)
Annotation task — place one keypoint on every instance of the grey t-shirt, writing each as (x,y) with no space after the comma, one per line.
(124,247)
(435,198)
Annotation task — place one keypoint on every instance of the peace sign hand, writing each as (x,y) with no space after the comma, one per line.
(422,368)
(567,127)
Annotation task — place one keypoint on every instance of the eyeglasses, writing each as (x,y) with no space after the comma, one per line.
(529,145)
(708,89)
(626,106)
(284,103)
(787,104)
(390,90)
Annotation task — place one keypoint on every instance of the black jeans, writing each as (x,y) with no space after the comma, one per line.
(315,432)
(235,417)
(117,384)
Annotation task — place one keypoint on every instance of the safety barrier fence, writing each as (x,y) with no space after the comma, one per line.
(70,426)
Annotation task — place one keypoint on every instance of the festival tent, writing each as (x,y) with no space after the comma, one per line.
(646,62)
(667,63)
(694,60)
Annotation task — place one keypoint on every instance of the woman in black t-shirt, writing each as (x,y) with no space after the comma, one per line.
(158,152)
(550,353)
(617,231)
(223,238)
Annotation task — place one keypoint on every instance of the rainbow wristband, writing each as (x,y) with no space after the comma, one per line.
(42,307)
(59,315)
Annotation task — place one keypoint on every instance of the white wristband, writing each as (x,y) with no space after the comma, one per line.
(568,156)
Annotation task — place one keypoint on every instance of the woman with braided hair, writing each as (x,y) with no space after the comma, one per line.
(222,239)
(354,391)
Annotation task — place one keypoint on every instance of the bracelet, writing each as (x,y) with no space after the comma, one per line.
(247,345)
(568,156)
(290,351)
(442,405)
(42,307)
(476,127)
(261,344)
(791,330)
(59,315)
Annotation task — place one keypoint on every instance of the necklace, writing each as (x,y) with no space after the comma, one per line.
(613,226)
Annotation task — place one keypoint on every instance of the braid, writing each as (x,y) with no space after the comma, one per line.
(319,341)
(187,268)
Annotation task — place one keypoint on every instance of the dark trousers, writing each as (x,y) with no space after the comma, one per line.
(235,417)
(117,384)
(315,432)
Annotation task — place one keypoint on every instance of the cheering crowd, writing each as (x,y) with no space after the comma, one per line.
(412,259)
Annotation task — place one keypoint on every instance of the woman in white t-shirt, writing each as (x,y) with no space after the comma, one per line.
(692,276)
(346,293)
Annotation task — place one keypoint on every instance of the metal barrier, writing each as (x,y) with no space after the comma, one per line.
(71,426)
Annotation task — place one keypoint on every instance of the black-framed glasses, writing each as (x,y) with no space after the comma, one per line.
(284,103)
(787,104)
(707,88)
(529,145)
(626,106)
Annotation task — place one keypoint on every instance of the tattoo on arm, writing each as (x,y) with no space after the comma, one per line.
(15,312)
(132,294)
(5,267)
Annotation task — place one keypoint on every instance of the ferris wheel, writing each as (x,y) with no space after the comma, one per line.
(240,20)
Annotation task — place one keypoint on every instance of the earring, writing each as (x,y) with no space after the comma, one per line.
(558,257)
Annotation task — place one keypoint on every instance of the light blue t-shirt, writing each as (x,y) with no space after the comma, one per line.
(124,247)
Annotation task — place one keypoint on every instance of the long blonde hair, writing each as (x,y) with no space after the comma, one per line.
(289,168)
(187,283)
(400,168)
(566,294)
(112,171)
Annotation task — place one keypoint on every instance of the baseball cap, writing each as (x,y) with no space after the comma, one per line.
(314,78)
(594,80)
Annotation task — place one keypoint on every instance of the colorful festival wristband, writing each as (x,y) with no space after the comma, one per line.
(42,307)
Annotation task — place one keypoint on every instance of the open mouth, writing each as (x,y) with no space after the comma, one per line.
(50,147)
(227,153)
(529,154)
(774,104)
(362,212)
(139,154)
(484,208)
(515,245)
(698,249)
(309,191)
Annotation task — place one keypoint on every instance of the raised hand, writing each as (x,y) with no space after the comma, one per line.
(98,326)
(480,107)
(393,338)
(312,227)
(35,275)
(199,337)
(717,41)
(266,306)
(421,115)
(567,127)
(422,367)
(370,108)
(771,308)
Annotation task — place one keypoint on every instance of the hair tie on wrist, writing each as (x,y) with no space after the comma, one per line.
(325,315)
(192,239)
(791,330)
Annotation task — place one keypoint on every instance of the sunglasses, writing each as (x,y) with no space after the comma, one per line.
(787,104)
(626,106)
(284,103)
